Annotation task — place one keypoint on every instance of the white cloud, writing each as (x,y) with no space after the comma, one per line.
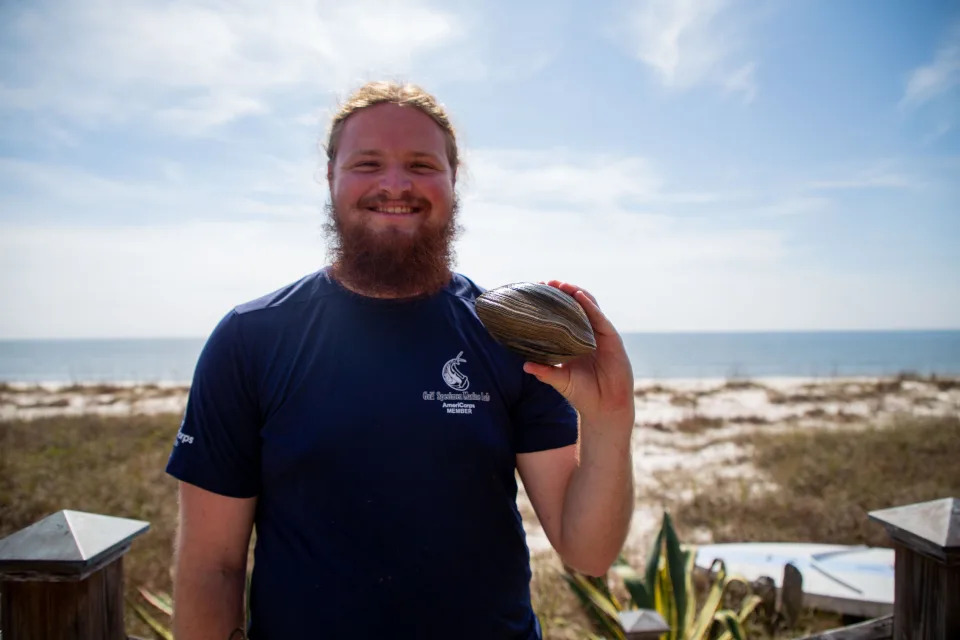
(168,280)
(529,215)
(743,81)
(49,194)
(200,114)
(879,175)
(609,223)
(560,177)
(602,222)
(689,43)
(793,206)
(938,76)
(201,63)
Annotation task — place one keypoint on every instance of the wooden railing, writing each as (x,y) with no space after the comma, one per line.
(62,578)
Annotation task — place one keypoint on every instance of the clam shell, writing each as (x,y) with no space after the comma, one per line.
(537,321)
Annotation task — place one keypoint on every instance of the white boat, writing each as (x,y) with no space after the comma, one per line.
(856,581)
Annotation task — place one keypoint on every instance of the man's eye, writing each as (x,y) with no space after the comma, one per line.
(366,164)
(422,166)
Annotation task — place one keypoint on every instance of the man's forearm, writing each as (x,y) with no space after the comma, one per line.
(599,500)
(208,604)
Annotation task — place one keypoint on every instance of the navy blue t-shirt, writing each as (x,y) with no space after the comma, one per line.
(380,439)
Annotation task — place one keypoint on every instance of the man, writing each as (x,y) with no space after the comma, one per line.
(369,426)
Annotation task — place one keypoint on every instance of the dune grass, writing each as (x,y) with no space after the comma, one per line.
(828,479)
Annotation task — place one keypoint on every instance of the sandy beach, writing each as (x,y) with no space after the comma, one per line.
(686,429)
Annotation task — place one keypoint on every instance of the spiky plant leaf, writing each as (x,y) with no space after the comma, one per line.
(640,595)
(161,601)
(603,611)
(704,622)
(678,579)
(734,630)
(162,632)
(689,556)
(665,602)
(747,607)
(653,559)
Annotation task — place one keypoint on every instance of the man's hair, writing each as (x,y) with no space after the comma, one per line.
(374,93)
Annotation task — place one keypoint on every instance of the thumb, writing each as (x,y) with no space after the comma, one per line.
(556,377)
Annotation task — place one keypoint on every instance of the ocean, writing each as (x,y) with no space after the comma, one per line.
(653,355)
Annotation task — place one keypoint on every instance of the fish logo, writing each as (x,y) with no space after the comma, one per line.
(453,376)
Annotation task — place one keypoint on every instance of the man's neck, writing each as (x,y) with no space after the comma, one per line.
(382,293)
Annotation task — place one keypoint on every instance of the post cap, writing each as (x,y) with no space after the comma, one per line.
(67,545)
(931,528)
(640,624)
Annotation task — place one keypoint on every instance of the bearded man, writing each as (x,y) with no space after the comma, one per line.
(368,426)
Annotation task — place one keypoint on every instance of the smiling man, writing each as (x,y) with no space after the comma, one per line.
(369,428)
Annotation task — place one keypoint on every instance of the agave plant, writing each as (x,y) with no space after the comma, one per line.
(666,586)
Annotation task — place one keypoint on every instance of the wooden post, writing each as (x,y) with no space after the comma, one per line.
(62,577)
(926,538)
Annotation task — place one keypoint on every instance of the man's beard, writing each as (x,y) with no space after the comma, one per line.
(391,264)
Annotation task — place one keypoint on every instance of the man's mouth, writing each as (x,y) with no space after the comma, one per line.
(394,210)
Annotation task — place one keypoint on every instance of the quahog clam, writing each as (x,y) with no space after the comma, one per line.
(537,321)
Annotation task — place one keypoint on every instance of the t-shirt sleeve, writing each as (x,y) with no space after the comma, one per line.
(543,419)
(218,445)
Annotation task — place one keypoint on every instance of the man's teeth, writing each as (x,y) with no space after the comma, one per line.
(394,209)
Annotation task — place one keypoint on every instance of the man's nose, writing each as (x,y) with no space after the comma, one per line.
(395,181)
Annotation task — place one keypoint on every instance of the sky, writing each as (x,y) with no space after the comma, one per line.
(698,165)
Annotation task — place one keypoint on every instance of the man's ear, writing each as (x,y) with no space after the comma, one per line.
(329,172)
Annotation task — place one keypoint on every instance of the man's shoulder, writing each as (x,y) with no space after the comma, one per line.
(463,287)
(307,289)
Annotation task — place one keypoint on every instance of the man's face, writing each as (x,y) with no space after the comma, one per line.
(393,203)
(391,174)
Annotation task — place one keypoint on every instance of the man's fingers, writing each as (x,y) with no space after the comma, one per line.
(600,323)
(571,289)
(556,377)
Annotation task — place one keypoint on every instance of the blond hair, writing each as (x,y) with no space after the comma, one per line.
(374,93)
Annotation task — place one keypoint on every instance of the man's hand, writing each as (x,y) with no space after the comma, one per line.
(585,501)
(598,385)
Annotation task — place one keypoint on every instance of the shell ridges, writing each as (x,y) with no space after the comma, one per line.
(539,322)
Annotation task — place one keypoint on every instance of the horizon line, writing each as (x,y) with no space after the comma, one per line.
(622,333)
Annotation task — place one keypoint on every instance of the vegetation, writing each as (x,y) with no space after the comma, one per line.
(666,586)
(161,603)
(822,481)
(828,480)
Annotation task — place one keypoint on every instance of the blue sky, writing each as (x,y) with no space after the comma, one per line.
(698,165)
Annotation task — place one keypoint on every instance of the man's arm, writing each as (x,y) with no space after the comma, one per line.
(584,497)
(210,564)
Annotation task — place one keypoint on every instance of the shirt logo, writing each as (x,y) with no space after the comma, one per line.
(459,401)
(453,376)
